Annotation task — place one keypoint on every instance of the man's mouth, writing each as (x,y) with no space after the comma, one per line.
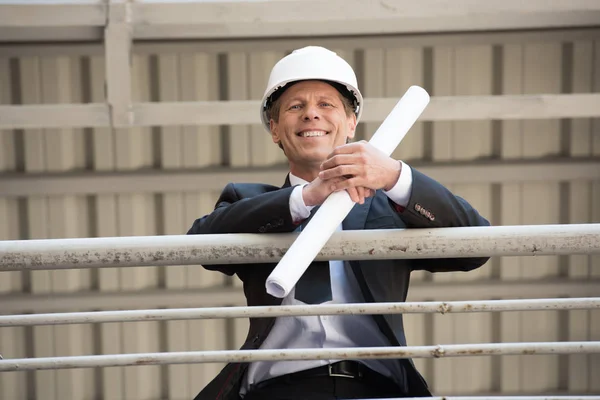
(312,133)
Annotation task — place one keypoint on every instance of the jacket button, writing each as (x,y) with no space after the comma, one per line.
(262,229)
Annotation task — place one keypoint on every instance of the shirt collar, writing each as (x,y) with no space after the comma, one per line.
(294,180)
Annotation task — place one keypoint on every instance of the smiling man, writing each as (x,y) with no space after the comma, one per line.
(311,108)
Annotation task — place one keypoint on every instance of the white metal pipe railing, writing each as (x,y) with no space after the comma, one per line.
(454,350)
(283,311)
(216,296)
(255,248)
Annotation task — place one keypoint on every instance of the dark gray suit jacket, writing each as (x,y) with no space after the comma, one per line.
(258,208)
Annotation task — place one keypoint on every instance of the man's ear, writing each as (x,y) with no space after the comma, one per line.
(351,126)
(274,127)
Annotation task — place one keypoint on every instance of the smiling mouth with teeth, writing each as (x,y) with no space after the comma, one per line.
(312,134)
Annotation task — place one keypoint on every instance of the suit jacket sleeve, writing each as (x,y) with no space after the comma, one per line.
(247,208)
(431,205)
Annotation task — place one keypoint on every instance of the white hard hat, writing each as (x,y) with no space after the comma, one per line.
(310,63)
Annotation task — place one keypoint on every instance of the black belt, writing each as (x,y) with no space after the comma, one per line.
(342,369)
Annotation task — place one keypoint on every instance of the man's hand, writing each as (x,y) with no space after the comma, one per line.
(315,193)
(360,165)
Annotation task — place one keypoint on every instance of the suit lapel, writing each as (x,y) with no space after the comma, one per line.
(357,217)
(287,182)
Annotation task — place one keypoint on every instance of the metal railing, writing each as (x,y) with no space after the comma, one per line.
(287,311)
(528,240)
(247,248)
(223,356)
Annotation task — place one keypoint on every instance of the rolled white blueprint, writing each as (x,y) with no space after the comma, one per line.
(337,206)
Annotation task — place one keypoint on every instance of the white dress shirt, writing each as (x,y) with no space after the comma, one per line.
(328,331)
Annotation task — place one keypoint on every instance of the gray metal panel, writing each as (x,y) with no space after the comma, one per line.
(13,341)
(54,80)
(540,203)
(178,78)
(462,71)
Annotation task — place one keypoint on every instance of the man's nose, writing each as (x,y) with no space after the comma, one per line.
(311,112)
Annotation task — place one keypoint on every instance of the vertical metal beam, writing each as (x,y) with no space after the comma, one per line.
(118,41)
(118,92)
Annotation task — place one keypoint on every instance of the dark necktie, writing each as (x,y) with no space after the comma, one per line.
(314,287)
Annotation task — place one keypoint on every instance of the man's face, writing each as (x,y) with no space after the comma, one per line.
(312,122)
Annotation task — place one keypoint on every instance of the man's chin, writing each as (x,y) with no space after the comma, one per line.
(312,160)
(316,158)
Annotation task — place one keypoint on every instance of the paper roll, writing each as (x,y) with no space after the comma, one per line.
(337,206)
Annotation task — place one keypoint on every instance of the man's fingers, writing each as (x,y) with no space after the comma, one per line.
(340,159)
(340,171)
(348,148)
(357,192)
(353,194)
(349,183)
(361,194)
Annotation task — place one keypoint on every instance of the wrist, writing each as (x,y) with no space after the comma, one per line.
(395,170)
(307,196)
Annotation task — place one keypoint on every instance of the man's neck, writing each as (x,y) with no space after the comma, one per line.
(309,174)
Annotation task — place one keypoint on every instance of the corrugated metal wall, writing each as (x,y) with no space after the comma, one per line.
(190,75)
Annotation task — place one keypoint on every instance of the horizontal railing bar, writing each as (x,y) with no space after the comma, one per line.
(460,242)
(301,310)
(438,351)
(441,108)
(215,296)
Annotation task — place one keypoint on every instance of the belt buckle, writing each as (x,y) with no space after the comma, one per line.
(332,374)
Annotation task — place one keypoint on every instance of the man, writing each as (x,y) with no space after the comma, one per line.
(311,107)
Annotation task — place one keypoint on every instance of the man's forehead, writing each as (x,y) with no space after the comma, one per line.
(310,89)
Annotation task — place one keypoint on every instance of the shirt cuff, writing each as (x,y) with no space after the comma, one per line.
(298,209)
(400,193)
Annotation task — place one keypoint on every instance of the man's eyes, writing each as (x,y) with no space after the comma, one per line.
(299,106)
